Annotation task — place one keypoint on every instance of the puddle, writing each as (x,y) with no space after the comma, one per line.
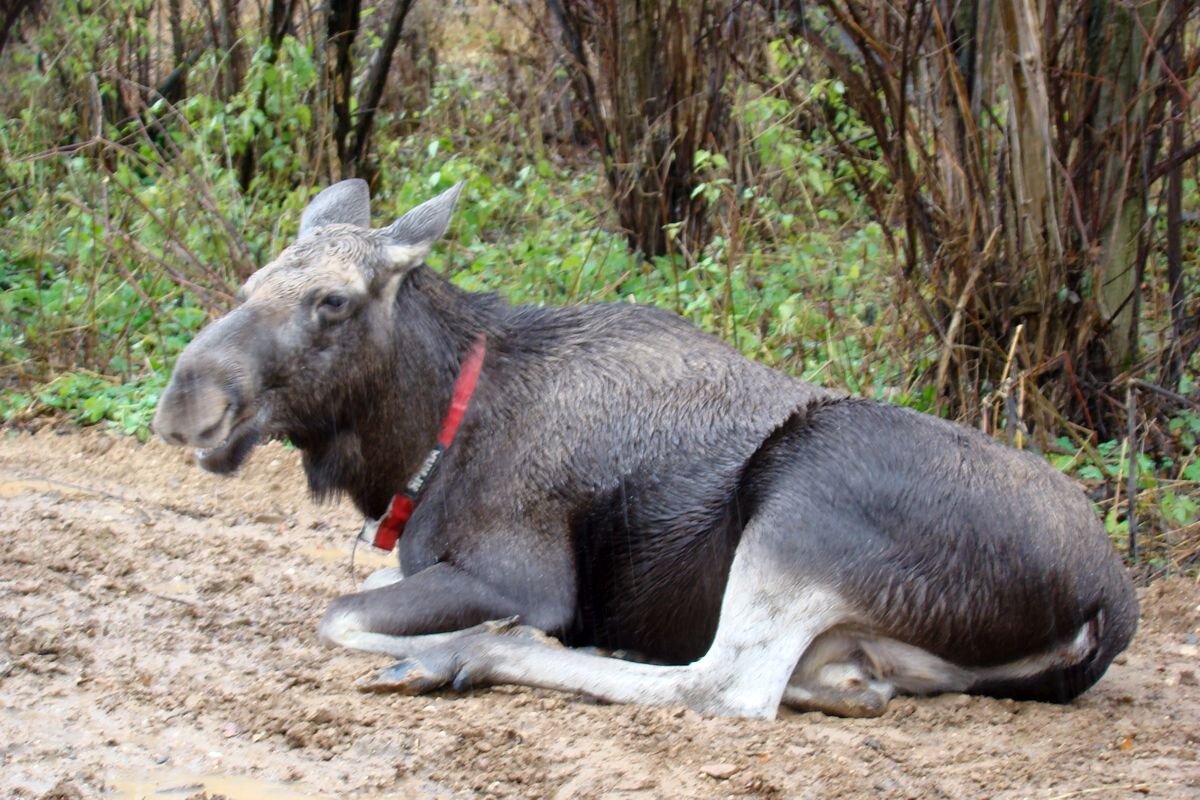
(365,555)
(177,587)
(34,486)
(176,786)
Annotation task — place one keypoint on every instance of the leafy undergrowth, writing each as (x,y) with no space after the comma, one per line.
(121,250)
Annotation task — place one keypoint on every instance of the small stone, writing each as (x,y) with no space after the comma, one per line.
(721,771)
(63,790)
(635,784)
(483,747)
(298,734)
(1124,727)
(1187,677)
(319,716)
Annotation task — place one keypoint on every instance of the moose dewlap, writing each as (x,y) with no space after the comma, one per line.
(616,479)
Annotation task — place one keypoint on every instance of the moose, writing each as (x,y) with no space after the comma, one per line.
(603,499)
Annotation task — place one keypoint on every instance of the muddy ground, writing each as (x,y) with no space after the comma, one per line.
(157,640)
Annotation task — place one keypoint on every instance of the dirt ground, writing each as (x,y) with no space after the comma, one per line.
(157,640)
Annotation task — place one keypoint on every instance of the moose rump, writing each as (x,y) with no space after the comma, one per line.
(623,481)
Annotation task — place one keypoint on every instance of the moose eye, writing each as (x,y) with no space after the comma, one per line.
(333,306)
(334,301)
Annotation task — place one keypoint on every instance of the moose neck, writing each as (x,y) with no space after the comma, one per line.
(401,406)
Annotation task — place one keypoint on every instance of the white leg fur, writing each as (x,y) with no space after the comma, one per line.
(347,630)
(1067,654)
(382,577)
(852,674)
(766,623)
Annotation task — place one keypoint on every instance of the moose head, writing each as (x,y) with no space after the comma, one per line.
(316,335)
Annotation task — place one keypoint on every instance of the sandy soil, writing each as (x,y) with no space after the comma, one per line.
(157,640)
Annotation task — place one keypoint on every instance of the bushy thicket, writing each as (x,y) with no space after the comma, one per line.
(154,155)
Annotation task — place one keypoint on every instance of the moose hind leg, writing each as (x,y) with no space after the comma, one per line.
(840,690)
(856,675)
(834,677)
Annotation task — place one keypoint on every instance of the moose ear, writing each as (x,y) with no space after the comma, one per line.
(410,237)
(347,202)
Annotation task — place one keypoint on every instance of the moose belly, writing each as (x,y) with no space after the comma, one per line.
(651,574)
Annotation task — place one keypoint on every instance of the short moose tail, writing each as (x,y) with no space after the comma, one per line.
(1111,627)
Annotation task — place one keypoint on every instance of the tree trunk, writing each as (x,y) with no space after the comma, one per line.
(652,75)
(176,81)
(230,43)
(1020,136)
(1115,55)
(13,10)
(372,91)
(342,27)
(1175,357)
(279,19)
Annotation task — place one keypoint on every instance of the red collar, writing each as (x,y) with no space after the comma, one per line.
(386,531)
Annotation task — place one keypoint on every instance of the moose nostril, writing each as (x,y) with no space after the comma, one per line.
(186,417)
(217,429)
(165,430)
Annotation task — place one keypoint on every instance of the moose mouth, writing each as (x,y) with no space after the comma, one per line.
(230,454)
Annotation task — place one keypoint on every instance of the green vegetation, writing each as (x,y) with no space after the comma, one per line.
(127,221)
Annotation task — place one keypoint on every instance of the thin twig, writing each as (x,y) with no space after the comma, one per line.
(1110,789)
(1178,398)
(1131,478)
(180,600)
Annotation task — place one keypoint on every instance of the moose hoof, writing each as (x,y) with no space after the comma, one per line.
(404,677)
(495,626)
(529,634)
(511,628)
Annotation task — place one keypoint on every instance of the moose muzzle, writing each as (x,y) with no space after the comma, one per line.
(209,403)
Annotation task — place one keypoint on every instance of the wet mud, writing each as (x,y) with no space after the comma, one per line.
(157,640)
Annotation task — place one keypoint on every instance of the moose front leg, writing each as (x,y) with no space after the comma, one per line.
(431,607)
(768,620)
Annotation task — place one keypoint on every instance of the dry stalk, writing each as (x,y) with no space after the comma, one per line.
(1131,517)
